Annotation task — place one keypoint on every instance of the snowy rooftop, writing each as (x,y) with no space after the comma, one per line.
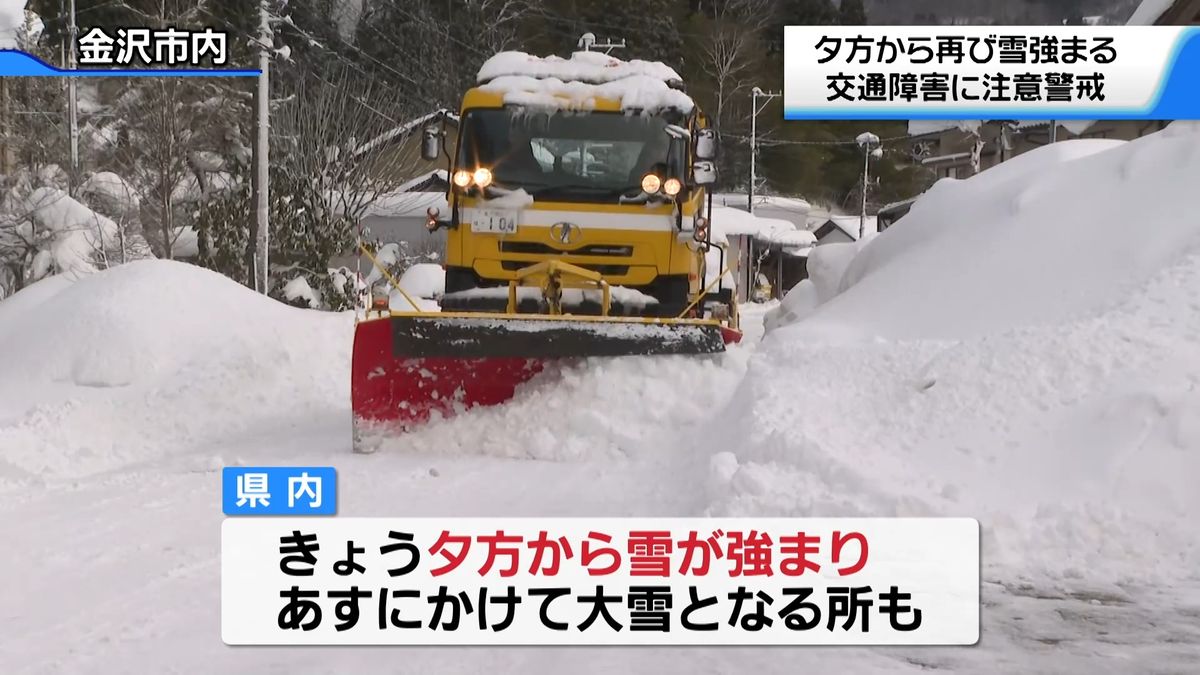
(850,224)
(771,202)
(577,82)
(922,127)
(401,204)
(405,129)
(731,221)
(419,181)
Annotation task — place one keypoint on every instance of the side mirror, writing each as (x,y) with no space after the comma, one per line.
(706,144)
(431,144)
(704,173)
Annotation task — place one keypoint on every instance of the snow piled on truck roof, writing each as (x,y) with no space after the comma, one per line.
(576,83)
(589,67)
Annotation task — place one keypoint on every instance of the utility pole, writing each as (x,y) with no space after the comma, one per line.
(72,100)
(1053,131)
(6,130)
(755,94)
(587,42)
(261,189)
(869,142)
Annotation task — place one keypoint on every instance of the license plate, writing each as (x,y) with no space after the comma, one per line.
(494,221)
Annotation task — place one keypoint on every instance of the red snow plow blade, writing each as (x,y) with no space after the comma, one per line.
(410,367)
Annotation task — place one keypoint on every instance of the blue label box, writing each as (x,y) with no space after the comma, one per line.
(279,490)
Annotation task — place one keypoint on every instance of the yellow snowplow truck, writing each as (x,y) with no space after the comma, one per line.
(578,226)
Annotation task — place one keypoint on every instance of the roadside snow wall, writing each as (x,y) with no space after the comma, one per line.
(148,358)
(1022,347)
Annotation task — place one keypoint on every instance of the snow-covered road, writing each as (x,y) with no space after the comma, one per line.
(119,572)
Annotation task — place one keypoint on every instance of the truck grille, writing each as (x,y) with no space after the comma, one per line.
(606,270)
(535,248)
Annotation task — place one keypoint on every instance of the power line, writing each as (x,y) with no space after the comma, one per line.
(317,43)
(761,141)
(428,23)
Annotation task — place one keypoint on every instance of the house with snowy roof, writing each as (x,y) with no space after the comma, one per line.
(401,159)
(962,148)
(842,229)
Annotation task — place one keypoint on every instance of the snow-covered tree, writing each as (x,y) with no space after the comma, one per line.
(338,153)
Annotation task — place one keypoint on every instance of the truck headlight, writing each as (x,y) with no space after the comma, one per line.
(672,187)
(462,178)
(651,183)
(483,177)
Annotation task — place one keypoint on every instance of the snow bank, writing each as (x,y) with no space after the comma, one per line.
(425,280)
(1009,230)
(1024,347)
(826,266)
(424,283)
(135,362)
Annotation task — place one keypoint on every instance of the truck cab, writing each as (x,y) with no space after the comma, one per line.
(607,172)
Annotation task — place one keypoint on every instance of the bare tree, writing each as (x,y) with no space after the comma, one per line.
(158,137)
(348,143)
(341,146)
(731,49)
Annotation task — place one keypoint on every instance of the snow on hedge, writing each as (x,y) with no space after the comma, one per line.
(113,189)
(1024,347)
(577,82)
(75,232)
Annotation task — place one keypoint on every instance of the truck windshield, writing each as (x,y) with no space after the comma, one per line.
(587,156)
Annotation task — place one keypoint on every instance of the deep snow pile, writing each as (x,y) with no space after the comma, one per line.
(156,359)
(1023,347)
(139,361)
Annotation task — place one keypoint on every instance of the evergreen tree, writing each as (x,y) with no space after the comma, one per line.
(799,13)
(852,13)
(649,28)
(807,13)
